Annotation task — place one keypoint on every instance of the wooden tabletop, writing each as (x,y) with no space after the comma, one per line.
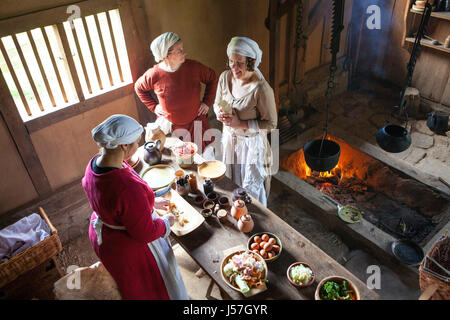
(207,243)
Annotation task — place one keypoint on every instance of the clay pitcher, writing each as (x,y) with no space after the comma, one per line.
(152,152)
(239,209)
(153,133)
(245,223)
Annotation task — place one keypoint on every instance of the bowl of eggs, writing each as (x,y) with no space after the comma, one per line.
(266,244)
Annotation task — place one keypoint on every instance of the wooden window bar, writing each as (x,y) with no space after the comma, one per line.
(91,49)
(102,42)
(113,40)
(82,59)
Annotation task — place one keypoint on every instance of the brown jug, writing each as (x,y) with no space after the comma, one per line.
(245,223)
(152,152)
(153,133)
(239,209)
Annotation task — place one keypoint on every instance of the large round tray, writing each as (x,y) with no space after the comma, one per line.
(159,176)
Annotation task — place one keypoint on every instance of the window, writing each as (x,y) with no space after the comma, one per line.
(39,75)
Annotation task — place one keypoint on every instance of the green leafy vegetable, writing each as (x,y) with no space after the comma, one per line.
(333,291)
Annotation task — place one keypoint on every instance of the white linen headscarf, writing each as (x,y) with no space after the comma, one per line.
(116,130)
(161,45)
(248,48)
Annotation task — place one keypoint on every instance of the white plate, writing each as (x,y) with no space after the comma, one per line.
(159,176)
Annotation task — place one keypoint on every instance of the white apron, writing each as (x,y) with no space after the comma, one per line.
(163,253)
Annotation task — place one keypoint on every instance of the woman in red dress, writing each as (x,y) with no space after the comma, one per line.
(176,81)
(129,238)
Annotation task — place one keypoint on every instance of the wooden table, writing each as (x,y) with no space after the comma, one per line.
(207,243)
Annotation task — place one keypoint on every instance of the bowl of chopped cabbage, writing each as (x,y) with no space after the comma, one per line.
(300,274)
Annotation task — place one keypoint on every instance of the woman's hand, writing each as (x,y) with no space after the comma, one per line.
(161,203)
(170,217)
(232,120)
(203,109)
(159,111)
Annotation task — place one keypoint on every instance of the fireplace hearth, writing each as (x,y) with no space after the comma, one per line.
(389,199)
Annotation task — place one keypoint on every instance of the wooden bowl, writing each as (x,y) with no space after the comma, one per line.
(297,284)
(213,170)
(271,235)
(339,280)
(228,257)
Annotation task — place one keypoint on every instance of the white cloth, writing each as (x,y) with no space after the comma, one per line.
(163,254)
(160,45)
(244,158)
(116,130)
(22,235)
(164,124)
(246,47)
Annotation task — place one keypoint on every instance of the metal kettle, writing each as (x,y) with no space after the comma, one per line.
(152,152)
(393,138)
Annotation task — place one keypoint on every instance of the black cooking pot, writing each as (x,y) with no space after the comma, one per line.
(393,138)
(328,158)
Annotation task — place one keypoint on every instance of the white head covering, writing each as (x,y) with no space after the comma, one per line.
(161,45)
(116,130)
(248,48)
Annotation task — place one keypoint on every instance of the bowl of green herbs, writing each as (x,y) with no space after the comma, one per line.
(336,288)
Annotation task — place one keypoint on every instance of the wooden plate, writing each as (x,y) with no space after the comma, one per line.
(195,219)
(159,176)
(214,170)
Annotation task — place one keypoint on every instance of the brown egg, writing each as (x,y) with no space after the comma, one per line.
(263,253)
(257,239)
(271,254)
(254,246)
(262,244)
(265,237)
(276,248)
(256,251)
(272,241)
(267,247)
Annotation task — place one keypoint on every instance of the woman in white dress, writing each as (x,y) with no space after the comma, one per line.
(246,150)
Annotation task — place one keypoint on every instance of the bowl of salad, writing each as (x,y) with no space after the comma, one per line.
(300,274)
(244,270)
(336,288)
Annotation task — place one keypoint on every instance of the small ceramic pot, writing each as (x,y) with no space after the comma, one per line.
(245,223)
(239,209)
(206,213)
(214,196)
(224,202)
(179,174)
(208,204)
(222,215)
(199,200)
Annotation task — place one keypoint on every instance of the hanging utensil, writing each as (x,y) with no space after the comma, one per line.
(394,138)
(321,154)
(348,214)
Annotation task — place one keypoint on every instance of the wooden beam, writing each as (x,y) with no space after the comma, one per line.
(316,15)
(289,48)
(15,79)
(113,40)
(102,42)
(55,67)
(23,141)
(78,108)
(27,71)
(274,50)
(91,50)
(41,68)
(285,7)
(82,58)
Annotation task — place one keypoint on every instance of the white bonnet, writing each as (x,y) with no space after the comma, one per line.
(161,45)
(246,47)
(116,130)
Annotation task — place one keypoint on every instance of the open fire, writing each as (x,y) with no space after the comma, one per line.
(394,202)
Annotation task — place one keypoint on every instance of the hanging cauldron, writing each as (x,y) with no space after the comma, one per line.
(322,160)
(393,138)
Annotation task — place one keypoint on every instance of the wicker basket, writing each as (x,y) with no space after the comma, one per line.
(31,257)
(433,285)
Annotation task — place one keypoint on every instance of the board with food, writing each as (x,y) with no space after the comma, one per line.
(245,271)
(187,219)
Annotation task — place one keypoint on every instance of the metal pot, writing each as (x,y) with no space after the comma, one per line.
(438,121)
(328,157)
(393,138)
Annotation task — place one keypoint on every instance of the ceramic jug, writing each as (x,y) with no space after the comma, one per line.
(245,223)
(152,152)
(153,132)
(239,209)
